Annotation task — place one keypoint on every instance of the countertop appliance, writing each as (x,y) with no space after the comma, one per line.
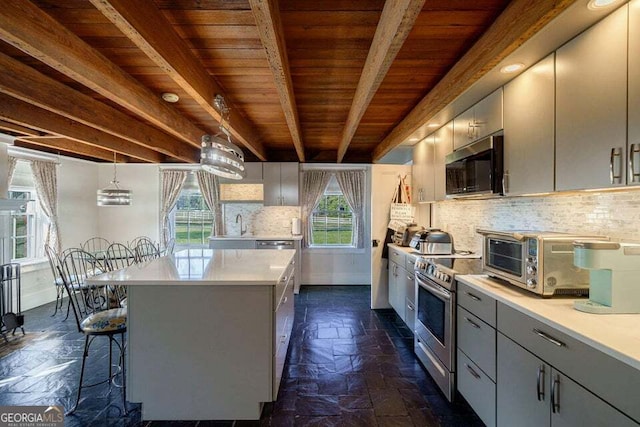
(537,261)
(403,235)
(435,323)
(432,241)
(614,269)
(476,170)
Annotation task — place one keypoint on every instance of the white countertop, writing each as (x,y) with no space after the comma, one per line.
(617,335)
(410,251)
(248,236)
(204,267)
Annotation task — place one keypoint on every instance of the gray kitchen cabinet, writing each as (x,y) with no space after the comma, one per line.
(482,119)
(535,394)
(443,145)
(422,171)
(408,300)
(633,148)
(591,106)
(400,281)
(280,184)
(523,392)
(476,350)
(394,285)
(224,243)
(253,174)
(529,130)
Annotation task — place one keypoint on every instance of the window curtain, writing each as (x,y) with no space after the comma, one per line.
(352,186)
(172,181)
(46,183)
(210,189)
(313,185)
(12,168)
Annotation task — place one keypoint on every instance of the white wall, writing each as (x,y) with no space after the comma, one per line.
(78,219)
(340,266)
(142,217)
(384,183)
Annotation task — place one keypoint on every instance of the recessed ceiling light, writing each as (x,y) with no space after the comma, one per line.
(599,4)
(414,139)
(170,97)
(512,68)
(433,125)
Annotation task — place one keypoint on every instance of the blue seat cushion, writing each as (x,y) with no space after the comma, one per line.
(107,321)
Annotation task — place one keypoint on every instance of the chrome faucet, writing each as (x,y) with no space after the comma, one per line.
(239,218)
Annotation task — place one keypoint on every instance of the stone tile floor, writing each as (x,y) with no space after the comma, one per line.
(347,366)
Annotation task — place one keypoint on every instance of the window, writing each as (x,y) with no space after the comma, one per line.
(331,219)
(193,221)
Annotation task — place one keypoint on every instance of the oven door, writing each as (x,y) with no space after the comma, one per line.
(435,320)
(505,258)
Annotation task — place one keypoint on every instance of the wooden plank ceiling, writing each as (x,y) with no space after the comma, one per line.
(306,80)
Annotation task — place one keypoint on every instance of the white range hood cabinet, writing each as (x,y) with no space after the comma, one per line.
(6,204)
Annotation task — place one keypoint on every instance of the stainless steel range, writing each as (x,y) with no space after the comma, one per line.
(435,330)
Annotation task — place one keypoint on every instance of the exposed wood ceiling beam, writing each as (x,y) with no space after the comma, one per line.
(395,23)
(68,146)
(518,23)
(12,127)
(23,113)
(25,26)
(270,30)
(144,24)
(27,84)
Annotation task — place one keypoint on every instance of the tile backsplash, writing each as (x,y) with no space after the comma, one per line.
(259,220)
(614,214)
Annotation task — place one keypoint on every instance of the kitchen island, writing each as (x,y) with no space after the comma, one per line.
(208,332)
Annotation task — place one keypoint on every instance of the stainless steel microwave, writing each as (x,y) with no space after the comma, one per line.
(540,262)
(476,170)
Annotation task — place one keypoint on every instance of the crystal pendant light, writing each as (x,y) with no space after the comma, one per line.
(114,196)
(218,154)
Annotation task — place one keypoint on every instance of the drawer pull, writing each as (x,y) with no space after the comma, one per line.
(555,395)
(472,372)
(540,383)
(472,323)
(473,297)
(410,307)
(549,338)
(283,338)
(284,301)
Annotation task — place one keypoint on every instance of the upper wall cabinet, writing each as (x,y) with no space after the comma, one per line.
(483,119)
(633,149)
(254,174)
(591,106)
(280,184)
(422,171)
(529,130)
(443,144)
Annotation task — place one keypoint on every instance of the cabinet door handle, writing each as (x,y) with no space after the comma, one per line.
(548,337)
(283,338)
(540,383)
(555,395)
(284,301)
(409,278)
(472,323)
(633,175)
(615,152)
(505,182)
(410,307)
(472,372)
(473,297)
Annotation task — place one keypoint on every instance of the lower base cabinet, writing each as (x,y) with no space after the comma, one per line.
(532,393)
(477,388)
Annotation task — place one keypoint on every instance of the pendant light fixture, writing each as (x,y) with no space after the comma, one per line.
(218,154)
(114,196)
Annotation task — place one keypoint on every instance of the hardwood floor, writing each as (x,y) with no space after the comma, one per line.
(347,366)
